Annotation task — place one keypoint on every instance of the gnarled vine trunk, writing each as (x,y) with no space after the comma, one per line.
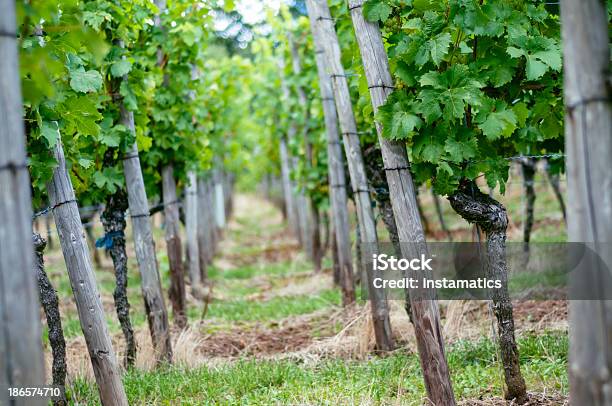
(528,168)
(553,179)
(378,182)
(478,208)
(50,304)
(113,220)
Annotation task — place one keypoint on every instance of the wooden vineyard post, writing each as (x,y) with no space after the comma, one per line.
(21,354)
(337,176)
(299,199)
(83,282)
(144,245)
(219,199)
(352,147)
(210,199)
(425,311)
(588,144)
(191,225)
(287,186)
(173,246)
(204,236)
(311,223)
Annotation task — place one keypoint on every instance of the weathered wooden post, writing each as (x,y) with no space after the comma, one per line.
(287,185)
(144,245)
(173,246)
(219,199)
(204,236)
(588,144)
(83,282)
(191,225)
(311,221)
(337,176)
(352,147)
(426,315)
(299,199)
(21,355)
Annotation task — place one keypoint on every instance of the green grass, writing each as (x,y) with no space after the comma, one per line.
(520,282)
(473,366)
(276,269)
(276,308)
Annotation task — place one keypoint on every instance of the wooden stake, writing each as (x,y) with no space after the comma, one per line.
(588,144)
(426,316)
(83,282)
(173,246)
(191,225)
(357,171)
(204,236)
(337,176)
(21,355)
(144,245)
(287,186)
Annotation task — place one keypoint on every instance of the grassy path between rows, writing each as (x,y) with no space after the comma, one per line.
(275,333)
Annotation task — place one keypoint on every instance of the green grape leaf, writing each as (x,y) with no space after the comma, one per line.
(81,113)
(120,68)
(96,18)
(110,138)
(50,132)
(144,143)
(552,58)
(85,81)
(109,178)
(397,118)
(376,10)
(444,183)
(499,124)
(535,68)
(515,52)
(129,98)
(453,89)
(462,149)
(404,72)
(438,47)
(522,112)
(85,163)
(444,166)
(501,74)
(432,152)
